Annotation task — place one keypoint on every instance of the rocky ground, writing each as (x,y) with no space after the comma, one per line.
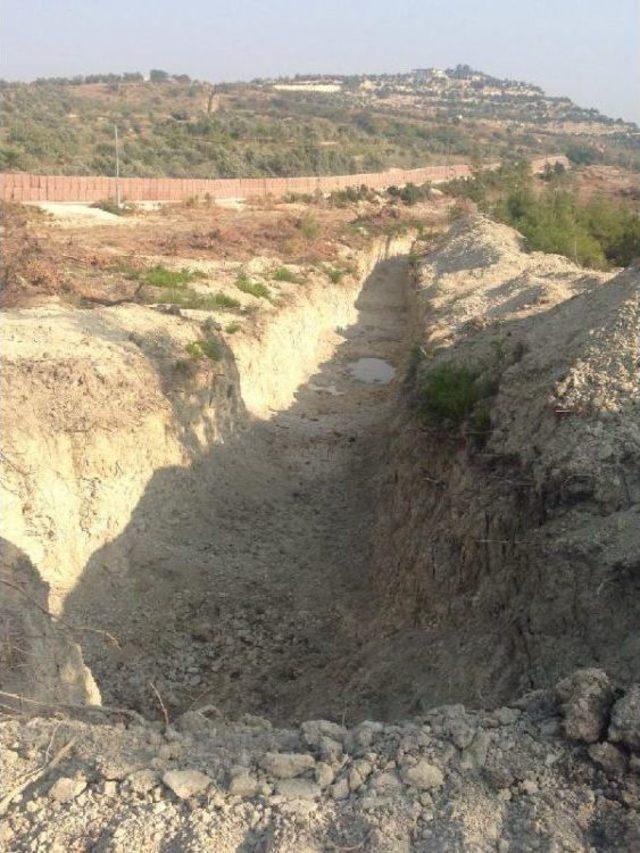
(267,539)
(557,770)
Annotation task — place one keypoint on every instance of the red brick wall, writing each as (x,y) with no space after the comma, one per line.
(16,186)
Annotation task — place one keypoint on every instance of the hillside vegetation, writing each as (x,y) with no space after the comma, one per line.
(595,232)
(173,126)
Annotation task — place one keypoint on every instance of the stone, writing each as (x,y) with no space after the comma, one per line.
(66,789)
(110,789)
(585,699)
(287,765)
(359,773)
(423,775)
(340,790)
(385,781)
(256,722)
(186,783)
(506,716)
(143,781)
(244,785)
(625,719)
(302,789)
(313,730)
(193,722)
(330,750)
(608,757)
(324,774)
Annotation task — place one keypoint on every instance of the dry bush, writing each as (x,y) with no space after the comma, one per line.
(27,268)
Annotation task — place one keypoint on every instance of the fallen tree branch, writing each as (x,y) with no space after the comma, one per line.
(69,706)
(55,618)
(34,775)
(163,707)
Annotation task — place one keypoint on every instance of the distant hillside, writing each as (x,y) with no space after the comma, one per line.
(173,126)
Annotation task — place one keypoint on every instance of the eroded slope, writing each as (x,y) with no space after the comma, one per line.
(508,548)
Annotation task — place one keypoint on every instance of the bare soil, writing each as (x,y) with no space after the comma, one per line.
(247,577)
(245,543)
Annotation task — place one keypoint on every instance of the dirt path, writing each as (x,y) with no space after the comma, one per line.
(246,578)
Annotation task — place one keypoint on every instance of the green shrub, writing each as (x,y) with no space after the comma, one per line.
(110,206)
(186,297)
(221,300)
(480,426)
(232,328)
(334,274)
(285,274)
(205,348)
(160,276)
(410,194)
(254,288)
(449,392)
(308,225)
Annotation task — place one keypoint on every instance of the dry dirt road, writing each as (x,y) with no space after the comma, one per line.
(246,581)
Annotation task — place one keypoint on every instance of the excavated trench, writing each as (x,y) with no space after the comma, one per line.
(273,533)
(245,582)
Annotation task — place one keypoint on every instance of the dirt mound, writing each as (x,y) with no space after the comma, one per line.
(546,772)
(508,550)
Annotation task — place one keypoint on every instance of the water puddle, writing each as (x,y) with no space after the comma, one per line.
(373,371)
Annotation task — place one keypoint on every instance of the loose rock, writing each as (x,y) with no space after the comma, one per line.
(186,783)
(625,719)
(303,789)
(423,775)
(287,765)
(609,757)
(585,699)
(66,789)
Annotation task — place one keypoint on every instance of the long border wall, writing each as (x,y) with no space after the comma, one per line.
(21,187)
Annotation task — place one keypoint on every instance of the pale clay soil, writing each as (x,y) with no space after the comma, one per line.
(282,568)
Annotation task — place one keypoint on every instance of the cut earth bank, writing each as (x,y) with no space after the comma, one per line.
(217,518)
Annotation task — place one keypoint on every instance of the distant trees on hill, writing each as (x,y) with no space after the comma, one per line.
(156,75)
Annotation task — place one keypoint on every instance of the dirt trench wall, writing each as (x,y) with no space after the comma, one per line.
(97,401)
(504,563)
(291,348)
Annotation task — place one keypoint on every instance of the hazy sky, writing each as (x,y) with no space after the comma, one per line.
(587,49)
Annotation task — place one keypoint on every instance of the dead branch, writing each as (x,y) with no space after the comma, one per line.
(163,707)
(77,708)
(35,775)
(55,618)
